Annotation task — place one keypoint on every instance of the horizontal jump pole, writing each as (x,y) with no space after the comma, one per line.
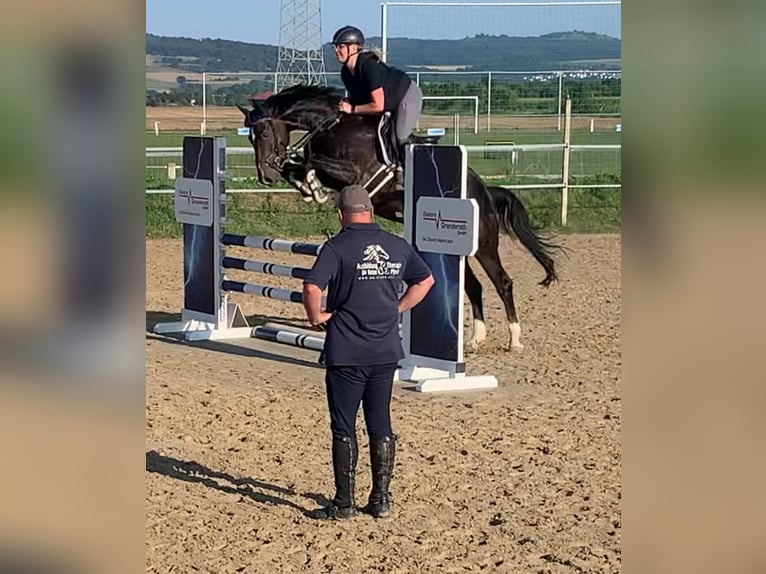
(262,290)
(294,329)
(265,291)
(267,268)
(270,244)
(288,338)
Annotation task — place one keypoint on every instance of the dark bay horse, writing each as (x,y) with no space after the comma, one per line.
(341,149)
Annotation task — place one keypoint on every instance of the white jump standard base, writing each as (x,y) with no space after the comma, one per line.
(430,380)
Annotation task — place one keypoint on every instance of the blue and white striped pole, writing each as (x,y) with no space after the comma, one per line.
(288,338)
(267,268)
(265,291)
(270,244)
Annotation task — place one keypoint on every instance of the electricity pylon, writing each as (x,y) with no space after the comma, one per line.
(300,57)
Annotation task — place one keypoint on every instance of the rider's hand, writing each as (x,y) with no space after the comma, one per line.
(345,107)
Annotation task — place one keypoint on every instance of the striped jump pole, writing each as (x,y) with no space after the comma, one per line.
(267,268)
(265,291)
(262,290)
(288,338)
(270,244)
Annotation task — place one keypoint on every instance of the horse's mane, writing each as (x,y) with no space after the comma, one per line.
(304,105)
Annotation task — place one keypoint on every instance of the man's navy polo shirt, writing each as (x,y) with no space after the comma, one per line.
(362,268)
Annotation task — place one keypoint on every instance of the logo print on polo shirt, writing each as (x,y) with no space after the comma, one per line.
(377,264)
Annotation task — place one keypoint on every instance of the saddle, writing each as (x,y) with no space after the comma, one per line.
(388,149)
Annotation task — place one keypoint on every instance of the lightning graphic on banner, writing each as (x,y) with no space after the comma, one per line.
(436,261)
(194,255)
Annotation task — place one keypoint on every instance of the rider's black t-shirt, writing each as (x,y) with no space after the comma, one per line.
(371,74)
(363,268)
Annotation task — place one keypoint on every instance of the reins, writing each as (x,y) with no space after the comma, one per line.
(293,151)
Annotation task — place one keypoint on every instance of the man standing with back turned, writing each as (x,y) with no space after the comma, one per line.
(362,267)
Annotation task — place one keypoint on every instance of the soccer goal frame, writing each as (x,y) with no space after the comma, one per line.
(475,100)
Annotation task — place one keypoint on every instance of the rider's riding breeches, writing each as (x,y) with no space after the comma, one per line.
(408,112)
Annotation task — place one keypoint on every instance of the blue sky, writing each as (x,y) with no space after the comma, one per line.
(257,21)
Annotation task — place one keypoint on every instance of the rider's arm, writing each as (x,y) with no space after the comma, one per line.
(376,106)
(371,75)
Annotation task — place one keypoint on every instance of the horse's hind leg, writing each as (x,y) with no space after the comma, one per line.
(490,261)
(473,290)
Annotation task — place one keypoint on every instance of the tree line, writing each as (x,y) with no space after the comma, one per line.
(589,95)
(558,51)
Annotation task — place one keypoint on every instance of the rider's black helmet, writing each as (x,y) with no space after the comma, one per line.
(348,35)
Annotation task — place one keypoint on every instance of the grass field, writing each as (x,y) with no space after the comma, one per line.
(529,167)
(284,215)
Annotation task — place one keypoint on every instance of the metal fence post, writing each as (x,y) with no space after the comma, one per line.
(489,100)
(565,188)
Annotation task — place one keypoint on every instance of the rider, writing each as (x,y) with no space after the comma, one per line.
(374,87)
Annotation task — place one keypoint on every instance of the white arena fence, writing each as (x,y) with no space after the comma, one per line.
(534,166)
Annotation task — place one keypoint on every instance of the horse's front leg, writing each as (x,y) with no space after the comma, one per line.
(305,180)
(318,191)
(296,175)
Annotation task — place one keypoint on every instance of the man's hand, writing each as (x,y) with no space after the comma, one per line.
(345,107)
(320,318)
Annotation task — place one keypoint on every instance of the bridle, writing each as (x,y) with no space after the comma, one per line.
(292,152)
(274,159)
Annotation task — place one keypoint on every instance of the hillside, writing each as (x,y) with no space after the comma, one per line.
(559,51)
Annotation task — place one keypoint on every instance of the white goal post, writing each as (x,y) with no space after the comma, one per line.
(475,100)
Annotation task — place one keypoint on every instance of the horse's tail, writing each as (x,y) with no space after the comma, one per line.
(514,219)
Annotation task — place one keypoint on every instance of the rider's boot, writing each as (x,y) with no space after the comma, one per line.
(400,165)
(399,177)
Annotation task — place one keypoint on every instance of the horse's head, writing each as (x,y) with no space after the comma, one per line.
(269,137)
(299,107)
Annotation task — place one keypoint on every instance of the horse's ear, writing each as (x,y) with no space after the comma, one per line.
(259,107)
(244,110)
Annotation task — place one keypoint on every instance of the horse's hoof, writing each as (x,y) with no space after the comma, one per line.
(307,198)
(472,346)
(515,329)
(320,196)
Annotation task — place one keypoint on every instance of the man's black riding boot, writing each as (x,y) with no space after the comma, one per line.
(382,454)
(344,457)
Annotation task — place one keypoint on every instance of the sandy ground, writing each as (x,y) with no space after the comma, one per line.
(524,478)
(229,117)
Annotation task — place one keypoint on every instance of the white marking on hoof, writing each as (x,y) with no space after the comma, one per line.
(320,195)
(479,334)
(306,194)
(515,329)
